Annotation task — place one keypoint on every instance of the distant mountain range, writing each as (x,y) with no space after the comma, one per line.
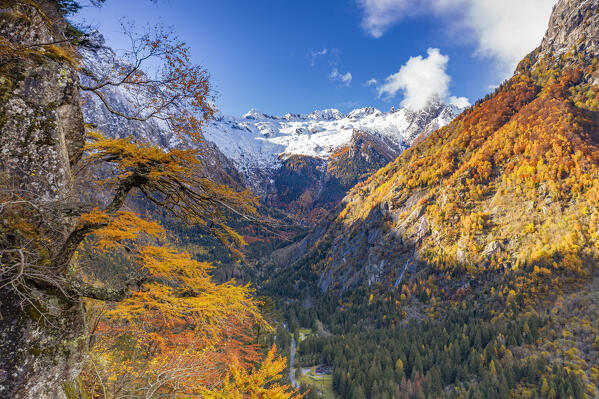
(292,161)
(259,143)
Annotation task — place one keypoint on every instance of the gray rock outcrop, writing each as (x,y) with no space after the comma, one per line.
(43,335)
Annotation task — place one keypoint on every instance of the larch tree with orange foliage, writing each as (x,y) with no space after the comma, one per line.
(165,329)
(173,331)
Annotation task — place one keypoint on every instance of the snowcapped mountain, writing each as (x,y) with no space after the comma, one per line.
(302,163)
(258,143)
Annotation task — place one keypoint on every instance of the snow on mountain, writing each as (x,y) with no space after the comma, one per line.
(362,112)
(257,141)
(330,114)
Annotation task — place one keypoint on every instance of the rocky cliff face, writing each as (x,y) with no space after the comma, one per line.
(42,333)
(574,26)
(41,116)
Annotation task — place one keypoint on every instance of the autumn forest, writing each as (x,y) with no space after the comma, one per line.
(139,260)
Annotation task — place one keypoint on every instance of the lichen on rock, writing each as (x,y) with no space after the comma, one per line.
(43,334)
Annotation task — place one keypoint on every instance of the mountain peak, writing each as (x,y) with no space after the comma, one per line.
(328,114)
(254,114)
(574,25)
(362,112)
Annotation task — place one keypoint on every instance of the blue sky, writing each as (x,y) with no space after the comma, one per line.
(268,54)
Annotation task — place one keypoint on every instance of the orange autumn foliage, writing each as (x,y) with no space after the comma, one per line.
(171,180)
(179,333)
(511,184)
(175,333)
(125,226)
(260,383)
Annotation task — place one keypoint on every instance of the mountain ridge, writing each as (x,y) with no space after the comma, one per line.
(540,81)
(258,143)
(490,221)
(283,159)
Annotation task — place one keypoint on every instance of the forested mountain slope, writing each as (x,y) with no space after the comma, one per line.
(489,221)
(510,181)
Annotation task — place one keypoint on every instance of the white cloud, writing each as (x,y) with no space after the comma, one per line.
(379,15)
(421,80)
(371,82)
(461,102)
(508,29)
(332,56)
(503,29)
(344,78)
(314,55)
